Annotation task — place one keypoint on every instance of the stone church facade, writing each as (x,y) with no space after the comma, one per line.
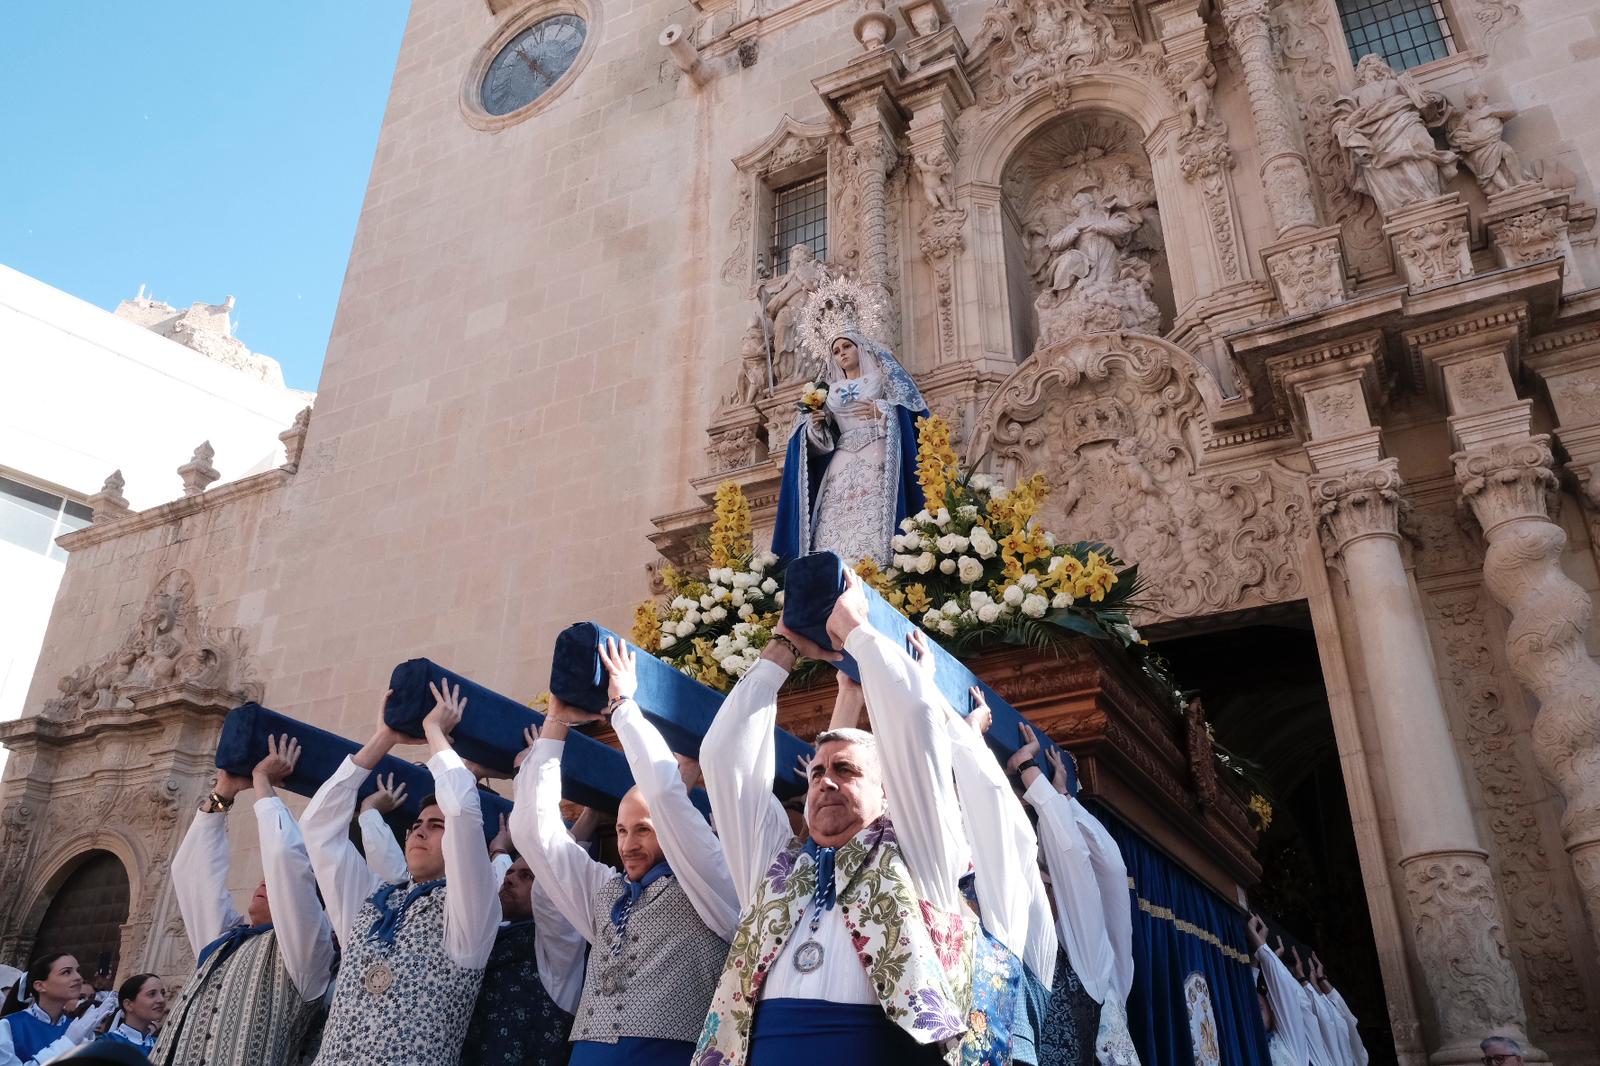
(1182,256)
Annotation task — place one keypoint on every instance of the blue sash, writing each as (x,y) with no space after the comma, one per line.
(809,1032)
(390,918)
(229,942)
(632,1051)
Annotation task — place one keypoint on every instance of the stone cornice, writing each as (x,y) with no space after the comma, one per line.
(167,513)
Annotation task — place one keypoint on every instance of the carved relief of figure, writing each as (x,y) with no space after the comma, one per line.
(1383,128)
(782,298)
(1478,133)
(1091,281)
(753,369)
(1087,251)
(1197,85)
(936,172)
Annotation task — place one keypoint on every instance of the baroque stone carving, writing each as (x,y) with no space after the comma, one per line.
(1359,503)
(1523,866)
(1533,235)
(1031,44)
(1285,177)
(940,238)
(737,447)
(1091,228)
(1308,277)
(1383,127)
(1461,944)
(169,645)
(1510,487)
(1433,252)
(294,439)
(109,502)
(789,145)
(1116,423)
(753,366)
(198,472)
(781,300)
(1478,135)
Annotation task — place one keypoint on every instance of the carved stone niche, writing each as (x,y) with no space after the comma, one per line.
(1117,423)
(1082,214)
(169,647)
(791,152)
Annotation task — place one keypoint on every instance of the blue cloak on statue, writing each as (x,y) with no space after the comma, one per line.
(840,491)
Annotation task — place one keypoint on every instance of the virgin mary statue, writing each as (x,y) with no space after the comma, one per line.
(850,472)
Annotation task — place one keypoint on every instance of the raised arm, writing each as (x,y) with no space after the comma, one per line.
(1111,874)
(559,949)
(385,856)
(738,757)
(908,718)
(342,874)
(1283,992)
(200,870)
(559,863)
(686,838)
(305,938)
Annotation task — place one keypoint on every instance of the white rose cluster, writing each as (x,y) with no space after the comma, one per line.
(737,651)
(732,600)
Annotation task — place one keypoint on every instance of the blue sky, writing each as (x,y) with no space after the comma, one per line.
(201,149)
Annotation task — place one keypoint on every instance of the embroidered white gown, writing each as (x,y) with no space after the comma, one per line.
(853,511)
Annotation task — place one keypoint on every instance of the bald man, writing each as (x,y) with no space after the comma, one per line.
(659,927)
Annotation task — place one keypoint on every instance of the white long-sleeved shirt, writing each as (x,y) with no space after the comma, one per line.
(1293,1011)
(738,755)
(472,901)
(1080,911)
(200,882)
(385,856)
(1358,1050)
(1005,854)
(51,1051)
(1331,1027)
(565,868)
(687,840)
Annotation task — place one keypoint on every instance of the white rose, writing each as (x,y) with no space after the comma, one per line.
(1029,582)
(981,482)
(1013,595)
(971,570)
(737,599)
(897,542)
(942,519)
(680,603)
(779,598)
(1062,599)
(1056,563)
(667,641)
(911,542)
(718,613)
(1049,539)
(707,601)
(947,566)
(923,516)
(731,665)
(988,613)
(950,609)
(925,563)
(722,592)
(979,598)
(1035,606)
(769,586)
(685,627)
(983,543)
(746,611)
(693,618)
(958,543)
(902,561)
(905,524)
(932,619)
(947,627)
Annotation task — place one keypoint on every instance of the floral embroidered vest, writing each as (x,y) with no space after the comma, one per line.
(919,958)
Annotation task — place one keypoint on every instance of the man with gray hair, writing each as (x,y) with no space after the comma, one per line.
(1501,1051)
(853,947)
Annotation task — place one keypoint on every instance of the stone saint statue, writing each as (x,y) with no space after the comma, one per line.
(1383,128)
(782,299)
(1199,83)
(1478,133)
(752,384)
(1087,251)
(850,472)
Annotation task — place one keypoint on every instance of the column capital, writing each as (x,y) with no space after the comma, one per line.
(1507,480)
(1356,504)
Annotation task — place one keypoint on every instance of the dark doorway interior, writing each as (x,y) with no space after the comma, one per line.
(86,916)
(1264,695)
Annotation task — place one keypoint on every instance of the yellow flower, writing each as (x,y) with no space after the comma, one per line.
(1013,509)
(1262,809)
(936,459)
(730,528)
(1019,548)
(646,632)
(1097,579)
(917,602)
(541,701)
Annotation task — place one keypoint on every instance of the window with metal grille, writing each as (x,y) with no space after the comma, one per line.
(1406,33)
(799,216)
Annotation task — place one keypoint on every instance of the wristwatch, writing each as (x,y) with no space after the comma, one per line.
(1027,764)
(779,638)
(214,804)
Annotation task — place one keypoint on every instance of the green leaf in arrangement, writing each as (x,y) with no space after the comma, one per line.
(1068,619)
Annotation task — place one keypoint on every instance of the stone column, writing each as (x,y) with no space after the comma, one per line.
(1456,920)
(1306,263)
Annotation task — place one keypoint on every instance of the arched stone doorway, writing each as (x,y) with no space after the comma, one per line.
(86,915)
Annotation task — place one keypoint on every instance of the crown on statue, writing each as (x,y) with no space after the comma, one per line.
(840,304)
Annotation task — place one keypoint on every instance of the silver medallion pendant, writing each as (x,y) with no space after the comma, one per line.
(378,980)
(808,957)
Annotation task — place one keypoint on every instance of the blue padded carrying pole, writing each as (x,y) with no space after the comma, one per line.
(244,743)
(490,733)
(681,707)
(812,586)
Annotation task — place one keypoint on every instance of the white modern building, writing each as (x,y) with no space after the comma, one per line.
(88,392)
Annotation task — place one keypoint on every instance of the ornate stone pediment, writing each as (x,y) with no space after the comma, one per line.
(789,143)
(170,646)
(1025,45)
(1117,423)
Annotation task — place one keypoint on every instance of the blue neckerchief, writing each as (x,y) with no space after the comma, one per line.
(229,942)
(969,890)
(825,894)
(390,919)
(632,890)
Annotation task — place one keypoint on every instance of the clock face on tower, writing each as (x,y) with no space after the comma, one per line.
(531,62)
